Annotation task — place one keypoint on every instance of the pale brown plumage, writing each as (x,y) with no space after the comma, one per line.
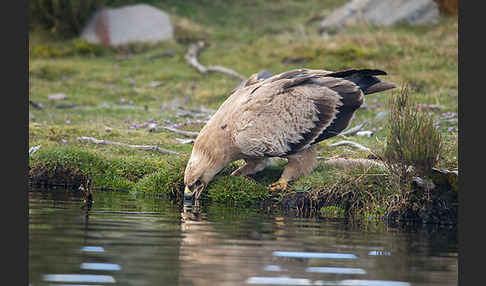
(280,116)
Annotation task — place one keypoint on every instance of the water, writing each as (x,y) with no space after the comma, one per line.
(128,240)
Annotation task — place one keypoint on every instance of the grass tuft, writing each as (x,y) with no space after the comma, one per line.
(413,144)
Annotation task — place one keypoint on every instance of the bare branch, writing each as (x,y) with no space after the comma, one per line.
(185,141)
(140,147)
(34,149)
(181,132)
(352,144)
(352,131)
(353,162)
(191,58)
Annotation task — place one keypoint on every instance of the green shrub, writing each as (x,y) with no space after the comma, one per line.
(186,31)
(74,47)
(64,18)
(413,144)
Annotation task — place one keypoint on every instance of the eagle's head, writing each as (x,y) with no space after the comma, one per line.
(200,170)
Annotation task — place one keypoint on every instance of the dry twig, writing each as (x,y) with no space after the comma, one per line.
(140,147)
(181,132)
(344,162)
(191,58)
(352,131)
(352,144)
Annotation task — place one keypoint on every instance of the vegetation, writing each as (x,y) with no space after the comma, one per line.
(63,18)
(413,145)
(111,95)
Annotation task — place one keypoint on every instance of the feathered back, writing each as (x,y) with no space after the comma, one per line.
(286,113)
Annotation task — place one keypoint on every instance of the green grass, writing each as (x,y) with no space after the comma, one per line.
(111,88)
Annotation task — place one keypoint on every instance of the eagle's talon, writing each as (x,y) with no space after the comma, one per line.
(280,185)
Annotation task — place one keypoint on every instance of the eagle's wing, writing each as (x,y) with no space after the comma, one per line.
(288,112)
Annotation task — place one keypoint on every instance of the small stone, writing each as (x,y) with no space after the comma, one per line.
(152,127)
(108,129)
(155,84)
(57,96)
(365,133)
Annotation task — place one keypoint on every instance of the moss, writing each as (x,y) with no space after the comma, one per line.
(169,180)
(358,191)
(236,190)
(72,166)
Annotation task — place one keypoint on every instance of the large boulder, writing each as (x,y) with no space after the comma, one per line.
(128,24)
(381,13)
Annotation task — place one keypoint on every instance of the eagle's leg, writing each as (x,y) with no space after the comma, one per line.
(251,166)
(299,164)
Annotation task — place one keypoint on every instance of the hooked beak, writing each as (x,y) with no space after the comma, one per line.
(188,194)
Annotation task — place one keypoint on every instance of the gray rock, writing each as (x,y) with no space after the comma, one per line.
(128,24)
(381,13)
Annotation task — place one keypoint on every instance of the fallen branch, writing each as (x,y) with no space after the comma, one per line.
(191,58)
(352,144)
(140,147)
(354,130)
(33,149)
(182,132)
(185,141)
(352,162)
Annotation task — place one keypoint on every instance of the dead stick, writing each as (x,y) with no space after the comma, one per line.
(354,130)
(191,58)
(140,147)
(350,143)
(181,132)
(226,71)
(353,162)
(33,149)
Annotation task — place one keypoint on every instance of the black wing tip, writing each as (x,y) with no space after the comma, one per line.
(372,72)
(346,73)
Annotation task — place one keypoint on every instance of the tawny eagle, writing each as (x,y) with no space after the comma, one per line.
(284,115)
